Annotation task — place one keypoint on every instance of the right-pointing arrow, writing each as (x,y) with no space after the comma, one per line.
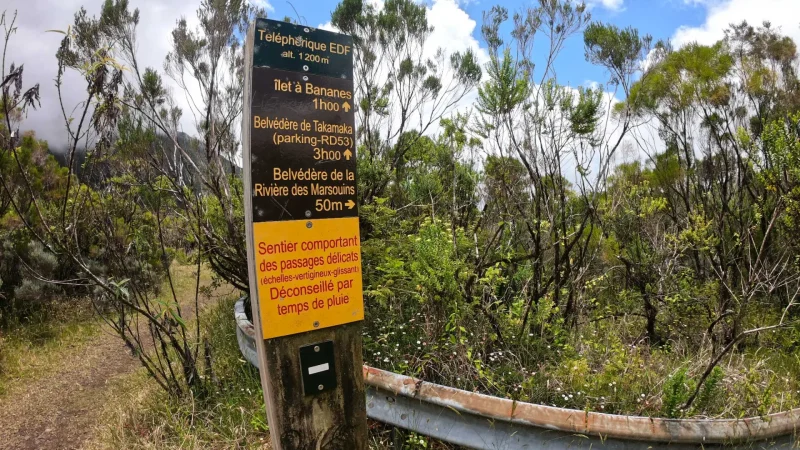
(350,204)
(348,154)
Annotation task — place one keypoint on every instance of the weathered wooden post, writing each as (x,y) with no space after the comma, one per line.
(303,242)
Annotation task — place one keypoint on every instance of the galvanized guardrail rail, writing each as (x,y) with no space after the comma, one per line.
(485,422)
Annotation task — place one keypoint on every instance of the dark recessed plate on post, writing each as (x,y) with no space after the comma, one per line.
(318,368)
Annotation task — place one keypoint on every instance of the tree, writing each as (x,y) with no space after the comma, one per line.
(153,180)
(551,129)
(402,92)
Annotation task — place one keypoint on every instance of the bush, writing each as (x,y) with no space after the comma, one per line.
(230,416)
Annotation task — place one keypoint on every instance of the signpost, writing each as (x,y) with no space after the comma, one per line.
(303,243)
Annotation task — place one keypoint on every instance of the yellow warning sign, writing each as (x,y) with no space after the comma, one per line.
(309,274)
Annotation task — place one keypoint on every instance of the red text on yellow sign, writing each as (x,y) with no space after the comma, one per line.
(309,274)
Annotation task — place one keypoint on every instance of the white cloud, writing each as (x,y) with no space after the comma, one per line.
(722,13)
(263,4)
(591,84)
(36,48)
(613,5)
(328,26)
(452,30)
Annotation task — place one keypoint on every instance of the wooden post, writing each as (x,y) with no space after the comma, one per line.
(303,245)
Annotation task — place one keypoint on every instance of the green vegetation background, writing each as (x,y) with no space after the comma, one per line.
(552,245)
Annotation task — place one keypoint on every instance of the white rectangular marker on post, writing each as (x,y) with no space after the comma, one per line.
(318,368)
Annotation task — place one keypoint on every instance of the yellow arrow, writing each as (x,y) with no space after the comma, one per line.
(350,204)
(346,106)
(348,154)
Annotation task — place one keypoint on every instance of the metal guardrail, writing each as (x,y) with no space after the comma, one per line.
(491,423)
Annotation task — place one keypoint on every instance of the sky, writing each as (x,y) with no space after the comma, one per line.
(456,27)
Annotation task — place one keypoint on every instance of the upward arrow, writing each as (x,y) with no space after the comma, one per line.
(348,154)
(346,106)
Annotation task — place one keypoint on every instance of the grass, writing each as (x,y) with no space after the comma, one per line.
(602,369)
(36,347)
(230,416)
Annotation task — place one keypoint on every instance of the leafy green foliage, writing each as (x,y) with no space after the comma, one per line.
(676,392)
(507,250)
(506,90)
(618,50)
(620,297)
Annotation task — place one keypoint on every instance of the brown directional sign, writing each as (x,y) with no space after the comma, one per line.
(301,174)
(303,240)
(282,45)
(302,146)
(302,186)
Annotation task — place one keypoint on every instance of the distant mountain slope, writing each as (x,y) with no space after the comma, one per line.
(95,172)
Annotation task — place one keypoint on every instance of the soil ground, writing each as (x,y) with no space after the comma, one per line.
(62,408)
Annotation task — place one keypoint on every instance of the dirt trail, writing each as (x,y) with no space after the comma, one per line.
(60,410)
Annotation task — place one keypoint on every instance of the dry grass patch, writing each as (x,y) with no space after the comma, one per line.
(230,416)
(35,348)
